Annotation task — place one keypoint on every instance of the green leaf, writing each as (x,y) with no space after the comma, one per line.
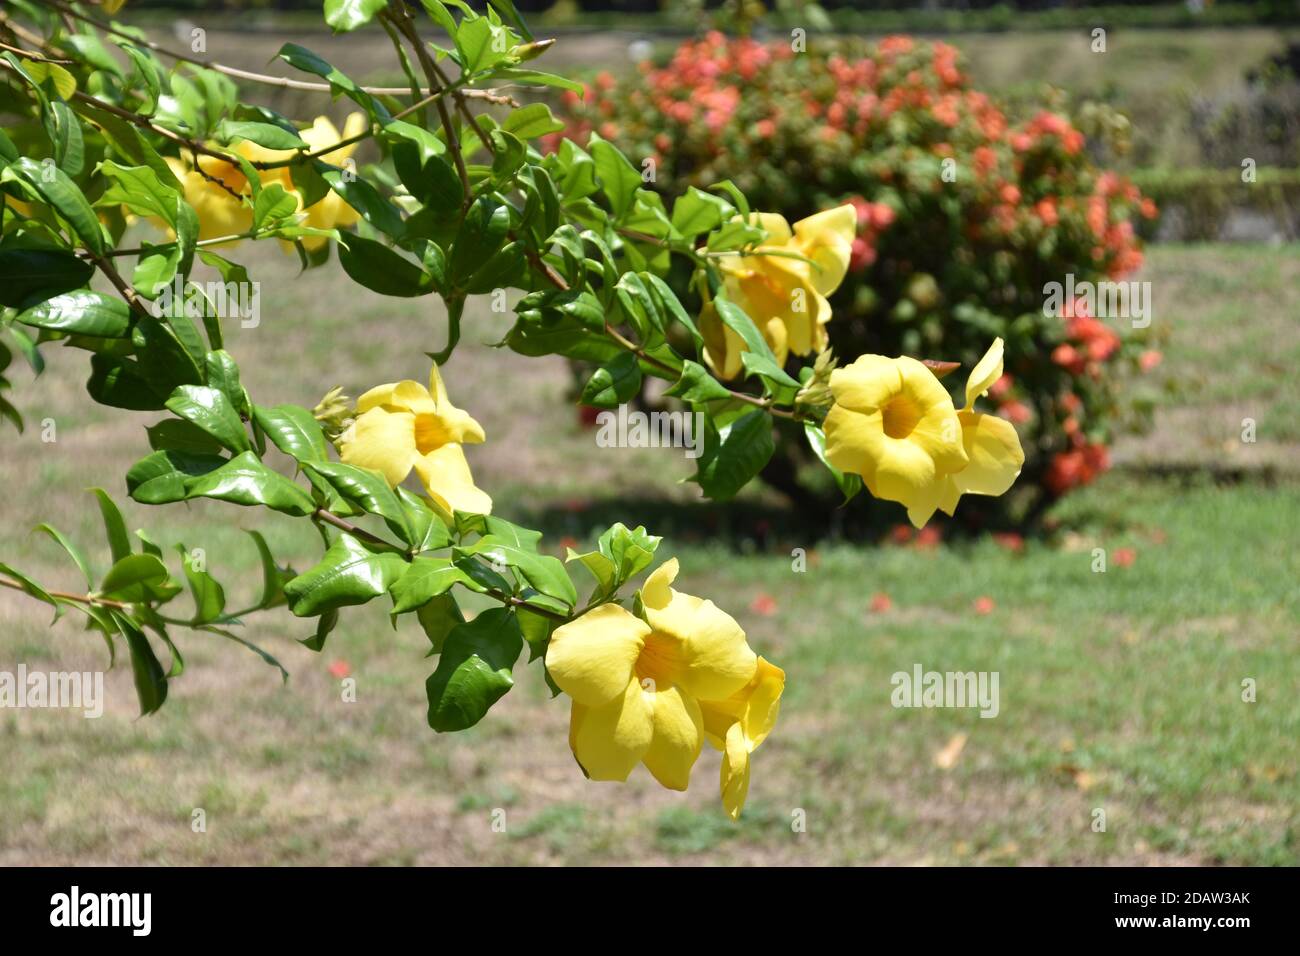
(164,476)
(474,670)
(263,134)
(697,384)
(31,587)
(613,384)
(303,59)
(150,679)
(272,576)
(244,480)
(119,542)
(59,191)
(532,121)
(28,273)
(210,410)
(511,16)
(364,198)
(284,674)
(380,269)
(223,374)
(758,357)
(73,551)
(734,454)
(120,383)
(140,189)
(209,596)
(698,212)
(176,434)
(431,533)
(368,490)
(349,573)
(516,75)
(542,571)
(621,554)
(439,617)
(481,235)
(272,204)
(135,578)
(324,625)
(81,313)
(343,16)
(293,430)
(618,177)
(148,70)
(424,580)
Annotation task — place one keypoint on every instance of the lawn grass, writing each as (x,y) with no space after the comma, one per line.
(1120,691)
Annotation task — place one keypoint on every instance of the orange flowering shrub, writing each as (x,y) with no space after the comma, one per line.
(965,214)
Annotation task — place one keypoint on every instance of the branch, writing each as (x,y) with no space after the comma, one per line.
(92,599)
(265,79)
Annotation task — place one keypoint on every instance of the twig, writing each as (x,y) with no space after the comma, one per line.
(92,599)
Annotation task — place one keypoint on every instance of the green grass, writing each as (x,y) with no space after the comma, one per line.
(1119,691)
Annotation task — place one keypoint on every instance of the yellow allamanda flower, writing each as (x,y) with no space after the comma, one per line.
(737,725)
(894,424)
(785,295)
(640,687)
(403,426)
(214,188)
(330,211)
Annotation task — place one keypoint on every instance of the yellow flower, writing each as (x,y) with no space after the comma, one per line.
(737,725)
(214,190)
(222,212)
(894,424)
(638,685)
(784,295)
(991,444)
(404,425)
(330,211)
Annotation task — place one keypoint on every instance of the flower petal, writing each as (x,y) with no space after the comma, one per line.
(734,781)
(938,431)
(995,454)
(657,590)
(987,371)
(591,658)
(446,477)
(867,384)
(678,738)
(827,239)
(763,702)
(406,395)
(456,425)
(610,740)
(697,646)
(381,440)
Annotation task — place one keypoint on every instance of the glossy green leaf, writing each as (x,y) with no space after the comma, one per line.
(150,679)
(209,409)
(244,480)
(349,573)
(734,454)
(424,580)
(80,313)
(474,670)
(28,273)
(293,430)
(368,491)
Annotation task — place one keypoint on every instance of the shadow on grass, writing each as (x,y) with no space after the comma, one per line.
(750,526)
